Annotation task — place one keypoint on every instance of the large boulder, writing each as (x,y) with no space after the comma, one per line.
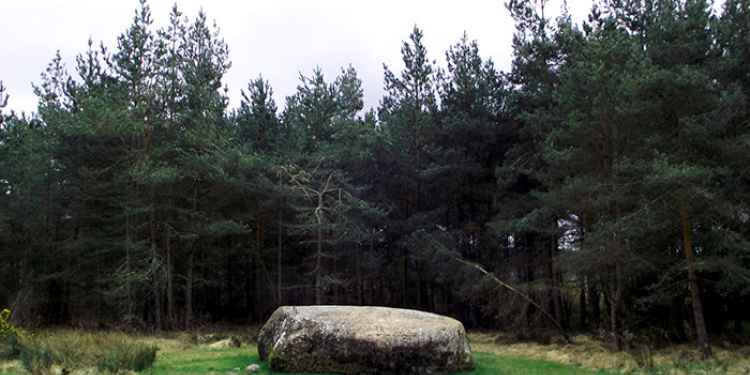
(363,340)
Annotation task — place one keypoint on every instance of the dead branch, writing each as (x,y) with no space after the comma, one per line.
(514,290)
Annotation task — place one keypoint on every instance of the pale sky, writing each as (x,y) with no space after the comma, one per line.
(275,38)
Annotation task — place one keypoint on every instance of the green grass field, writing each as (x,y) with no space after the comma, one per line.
(203,361)
(180,353)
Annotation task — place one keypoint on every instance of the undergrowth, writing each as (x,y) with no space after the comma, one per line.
(69,350)
(9,337)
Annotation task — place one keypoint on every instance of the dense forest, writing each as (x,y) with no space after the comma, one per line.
(600,185)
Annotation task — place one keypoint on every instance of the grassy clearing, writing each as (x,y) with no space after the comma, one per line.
(491,364)
(11,368)
(203,360)
(49,352)
(110,351)
(590,353)
(183,353)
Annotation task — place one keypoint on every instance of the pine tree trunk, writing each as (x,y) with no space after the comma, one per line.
(555,292)
(431,293)
(190,267)
(227,291)
(404,279)
(336,297)
(155,259)
(189,291)
(319,256)
(168,271)
(254,288)
(687,247)
(248,292)
(157,291)
(419,285)
(360,279)
(613,324)
(614,306)
(256,255)
(596,311)
(371,291)
(582,306)
(129,308)
(279,253)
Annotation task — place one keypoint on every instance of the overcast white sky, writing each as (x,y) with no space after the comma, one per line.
(275,38)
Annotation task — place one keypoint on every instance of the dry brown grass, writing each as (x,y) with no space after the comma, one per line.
(591,353)
(11,367)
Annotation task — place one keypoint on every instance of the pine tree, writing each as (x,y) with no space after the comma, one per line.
(198,152)
(590,179)
(471,140)
(310,113)
(257,121)
(407,118)
(679,42)
(541,49)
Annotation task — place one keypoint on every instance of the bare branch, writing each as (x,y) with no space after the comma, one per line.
(511,288)
(3,101)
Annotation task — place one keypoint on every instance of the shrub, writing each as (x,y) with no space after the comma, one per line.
(10,347)
(9,337)
(126,355)
(5,327)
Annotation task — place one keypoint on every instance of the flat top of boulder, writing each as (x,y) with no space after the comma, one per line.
(371,321)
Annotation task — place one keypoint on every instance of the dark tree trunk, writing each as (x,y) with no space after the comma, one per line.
(253,288)
(582,306)
(168,271)
(615,301)
(319,258)
(279,253)
(156,284)
(189,291)
(596,312)
(687,247)
(190,268)
(404,279)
